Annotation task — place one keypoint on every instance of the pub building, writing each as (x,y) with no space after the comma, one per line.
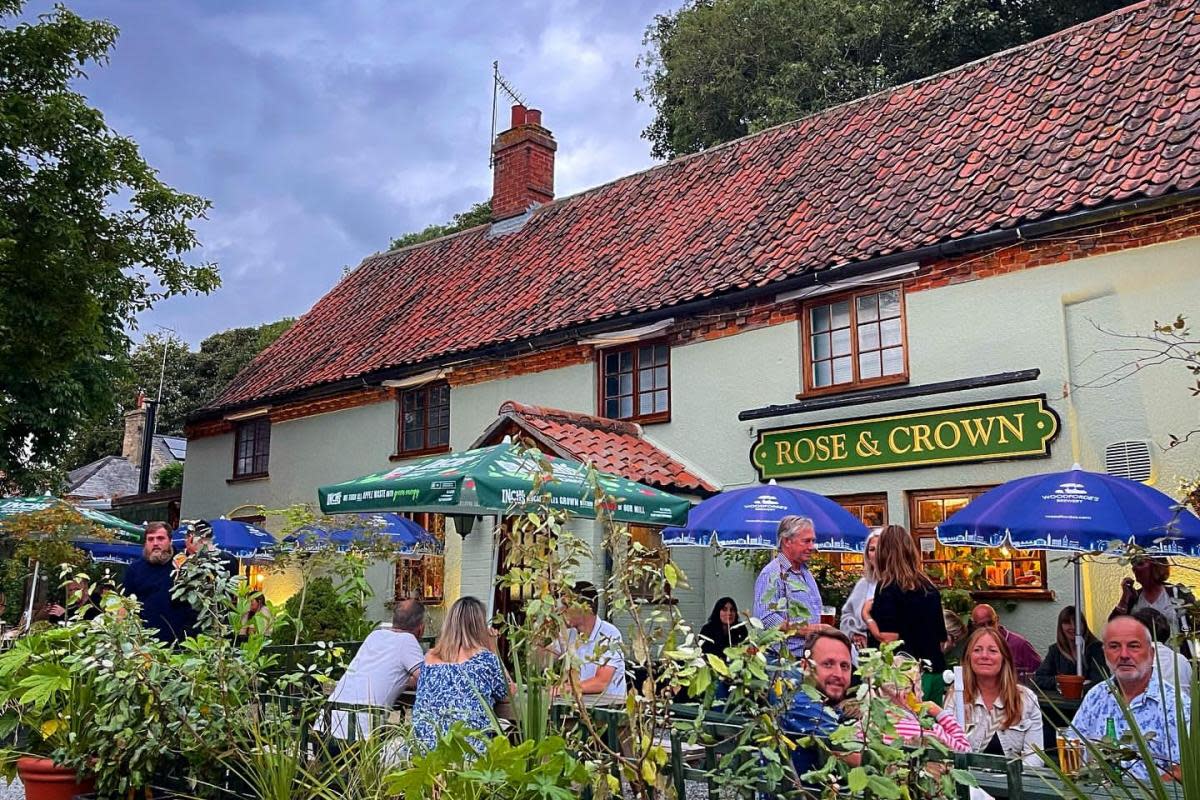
(899,303)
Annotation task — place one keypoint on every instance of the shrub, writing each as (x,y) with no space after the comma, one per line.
(325,616)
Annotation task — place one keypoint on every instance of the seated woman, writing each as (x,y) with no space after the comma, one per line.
(459,670)
(1001,716)
(722,629)
(1060,658)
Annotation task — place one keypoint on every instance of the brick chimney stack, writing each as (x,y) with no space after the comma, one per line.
(523,165)
(135,427)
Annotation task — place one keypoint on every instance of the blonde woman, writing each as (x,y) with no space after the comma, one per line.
(1000,715)
(907,607)
(460,673)
(852,623)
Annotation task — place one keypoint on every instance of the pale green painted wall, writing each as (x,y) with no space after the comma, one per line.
(1034,318)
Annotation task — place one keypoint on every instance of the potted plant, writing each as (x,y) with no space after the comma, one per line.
(44,706)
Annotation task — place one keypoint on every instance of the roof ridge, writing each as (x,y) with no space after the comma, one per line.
(573,417)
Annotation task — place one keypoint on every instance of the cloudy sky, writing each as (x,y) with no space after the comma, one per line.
(320,129)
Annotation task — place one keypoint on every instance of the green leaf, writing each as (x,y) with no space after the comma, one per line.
(857,780)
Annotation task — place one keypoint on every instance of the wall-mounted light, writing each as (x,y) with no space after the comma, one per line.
(463,523)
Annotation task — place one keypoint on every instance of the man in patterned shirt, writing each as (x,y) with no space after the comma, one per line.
(786,594)
(1129,652)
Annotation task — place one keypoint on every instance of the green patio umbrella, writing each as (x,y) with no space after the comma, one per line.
(494,480)
(122,529)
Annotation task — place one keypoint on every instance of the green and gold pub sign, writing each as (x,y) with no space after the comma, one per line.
(1017,428)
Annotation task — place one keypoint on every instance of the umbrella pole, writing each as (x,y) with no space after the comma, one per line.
(493,569)
(33,583)
(1079,653)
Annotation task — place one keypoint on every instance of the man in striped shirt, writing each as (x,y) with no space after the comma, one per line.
(786,595)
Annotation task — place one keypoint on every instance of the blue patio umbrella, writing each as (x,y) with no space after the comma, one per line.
(1076,512)
(749,518)
(238,539)
(110,552)
(404,534)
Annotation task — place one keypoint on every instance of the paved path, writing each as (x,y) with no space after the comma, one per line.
(12,791)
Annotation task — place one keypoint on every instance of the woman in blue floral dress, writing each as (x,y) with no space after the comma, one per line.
(459,670)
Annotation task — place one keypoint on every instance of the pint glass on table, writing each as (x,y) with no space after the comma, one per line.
(1070,753)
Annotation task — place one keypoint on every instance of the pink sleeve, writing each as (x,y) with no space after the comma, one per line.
(950,733)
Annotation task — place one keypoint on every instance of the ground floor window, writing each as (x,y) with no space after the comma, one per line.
(869,509)
(420,578)
(999,571)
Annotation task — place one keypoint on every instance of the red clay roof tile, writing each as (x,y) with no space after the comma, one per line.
(1104,112)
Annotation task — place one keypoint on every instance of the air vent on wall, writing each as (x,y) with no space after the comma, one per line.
(1128,460)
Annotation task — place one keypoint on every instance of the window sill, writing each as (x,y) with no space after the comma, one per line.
(847,388)
(1044,595)
(407,454)
(649,419)
(257,476)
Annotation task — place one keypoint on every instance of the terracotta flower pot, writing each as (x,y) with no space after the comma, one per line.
(1070,686)
(45,780)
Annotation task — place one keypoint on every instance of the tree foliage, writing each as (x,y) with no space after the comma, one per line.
(716,70)
(89,237)
(478,214)
(190,379)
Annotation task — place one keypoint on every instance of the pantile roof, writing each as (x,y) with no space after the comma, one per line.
(613,446)
(1105,112)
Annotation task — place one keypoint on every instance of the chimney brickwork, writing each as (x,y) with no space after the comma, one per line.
(523,165)
(135,425)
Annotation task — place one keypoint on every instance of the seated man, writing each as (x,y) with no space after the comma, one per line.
(1129,652)
(595,646)
(1025,656)
(387,663)
(1173,668)
(827,668)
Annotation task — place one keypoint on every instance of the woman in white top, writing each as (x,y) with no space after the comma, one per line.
(999,714)
(852,623)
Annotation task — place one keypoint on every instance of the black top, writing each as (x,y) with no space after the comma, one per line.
(721,637)
(917,617)
(1055,664)
(152,584)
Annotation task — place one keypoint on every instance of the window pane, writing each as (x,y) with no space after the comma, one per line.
(889,303)
(929,512)
(868,308)
(625,360)
(414,439)
(893,361)
(820,318)
(626,386)
(841,342)
(646,403)
(954,504)
(890,330)
(612,386)
(841,314)
(626,408)
(645,379)
(414,421)
(820,346)
(868,365)
(660,377)
(868,336)
(842,371)
(661,355)
(645,356)
(660,402)
(873,514)
(610,363)
(439,437)
(822,373)
(611,409)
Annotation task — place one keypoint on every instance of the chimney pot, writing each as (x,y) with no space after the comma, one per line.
(533,116)
(518,115)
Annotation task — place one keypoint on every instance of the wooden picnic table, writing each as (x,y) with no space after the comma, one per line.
(1042,784)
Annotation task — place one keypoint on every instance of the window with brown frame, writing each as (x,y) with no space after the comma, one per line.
(420,578)
(252,448)
(635,382)
(424,420)
(653,558)
(855,341)
(1007,572)
(869,509)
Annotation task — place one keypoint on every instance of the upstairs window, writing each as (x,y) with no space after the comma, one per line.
(635,382)
(856,341)
(424,420)
(252,448)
